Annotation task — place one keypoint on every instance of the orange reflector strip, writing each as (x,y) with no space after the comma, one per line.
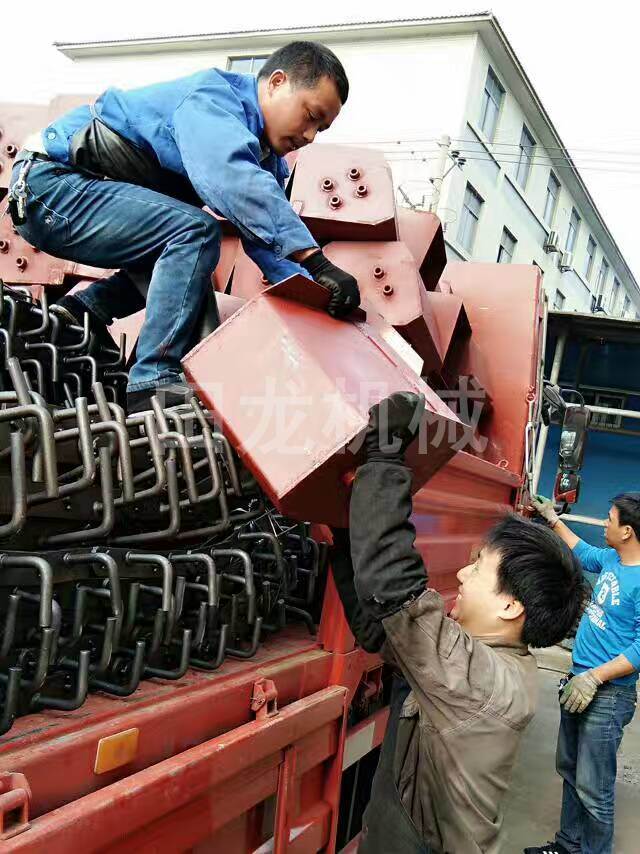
(116,750)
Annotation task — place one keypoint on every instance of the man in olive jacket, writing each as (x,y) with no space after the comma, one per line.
(468,683)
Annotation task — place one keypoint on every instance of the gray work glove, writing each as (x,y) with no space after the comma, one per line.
(579,692)
(544,507)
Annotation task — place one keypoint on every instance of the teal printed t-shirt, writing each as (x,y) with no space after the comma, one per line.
(610,625)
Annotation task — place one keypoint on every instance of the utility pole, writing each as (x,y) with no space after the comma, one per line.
(437,171)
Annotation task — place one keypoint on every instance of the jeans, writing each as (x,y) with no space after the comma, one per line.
(111,224)
(586,759)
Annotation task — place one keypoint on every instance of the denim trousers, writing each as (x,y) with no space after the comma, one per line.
(111,224)
(586,759)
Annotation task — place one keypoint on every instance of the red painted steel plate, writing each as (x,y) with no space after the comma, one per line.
(204,773)
(502,303)
(344,193)
(17,121)
(171,716)
(292,388)
(391,286)
(21,264)
(450,320)
(421,231)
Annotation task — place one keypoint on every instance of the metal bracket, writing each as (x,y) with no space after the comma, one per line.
(264,699)
(15,797)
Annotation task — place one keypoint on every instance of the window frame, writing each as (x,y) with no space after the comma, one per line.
(571,230)
(487,97)
(252,57)
(605,398)
(601,283)
(554,177)
(502,248)
(614,296)
(525,157)
(590,258)
(471,190)
(557,294)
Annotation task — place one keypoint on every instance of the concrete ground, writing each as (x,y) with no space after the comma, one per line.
(533,802)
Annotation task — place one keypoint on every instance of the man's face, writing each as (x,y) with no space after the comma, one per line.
(293,115)
(615,534)
(479,608)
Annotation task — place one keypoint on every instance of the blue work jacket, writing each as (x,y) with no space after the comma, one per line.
(208,128)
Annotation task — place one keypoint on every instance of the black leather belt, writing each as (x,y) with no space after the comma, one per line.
(24,154)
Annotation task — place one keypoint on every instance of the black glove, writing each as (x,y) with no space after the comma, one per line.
(393,425)
(345,294)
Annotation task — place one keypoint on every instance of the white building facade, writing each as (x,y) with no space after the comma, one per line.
(511,193)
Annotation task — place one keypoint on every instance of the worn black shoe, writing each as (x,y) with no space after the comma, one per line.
(170,394)
(549,848)
(72,311)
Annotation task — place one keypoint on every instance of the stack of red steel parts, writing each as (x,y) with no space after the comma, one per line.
(290,388)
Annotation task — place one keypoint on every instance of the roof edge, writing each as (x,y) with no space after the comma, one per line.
(72,49)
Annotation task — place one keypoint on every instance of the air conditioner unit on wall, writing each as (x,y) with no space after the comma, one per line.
(566,262)
(552,243)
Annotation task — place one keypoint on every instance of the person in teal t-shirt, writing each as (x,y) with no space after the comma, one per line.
(598,697)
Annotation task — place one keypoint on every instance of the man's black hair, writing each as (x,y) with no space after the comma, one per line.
(540,571)
(628,505)
(306,63)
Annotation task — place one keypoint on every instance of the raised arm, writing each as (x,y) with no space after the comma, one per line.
(436,655)
(222,159)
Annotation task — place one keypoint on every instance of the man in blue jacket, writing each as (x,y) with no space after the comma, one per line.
(121,184)
(599,697)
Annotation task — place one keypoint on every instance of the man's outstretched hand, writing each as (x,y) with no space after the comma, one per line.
(345,294)
(393,425)
(544,507)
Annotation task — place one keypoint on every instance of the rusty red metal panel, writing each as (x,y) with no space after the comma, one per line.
(22,264)
(228,305)
(390,286)
(295,402)
(130,326)
(344,193)
(17,121)
(502,304)
(421,231)
(451,322)
(248,280)
(214,775)
(171,717)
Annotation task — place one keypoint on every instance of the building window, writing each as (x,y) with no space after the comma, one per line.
(527,147)
(626,305)
(591,256)
(492,98)
(551,201)
(613,299)
(559,301)
(607,421)
(603,274)
(507,247)
(469,218)
(246,64)
(572,233)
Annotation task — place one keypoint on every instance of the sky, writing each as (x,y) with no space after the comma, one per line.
(581,57)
